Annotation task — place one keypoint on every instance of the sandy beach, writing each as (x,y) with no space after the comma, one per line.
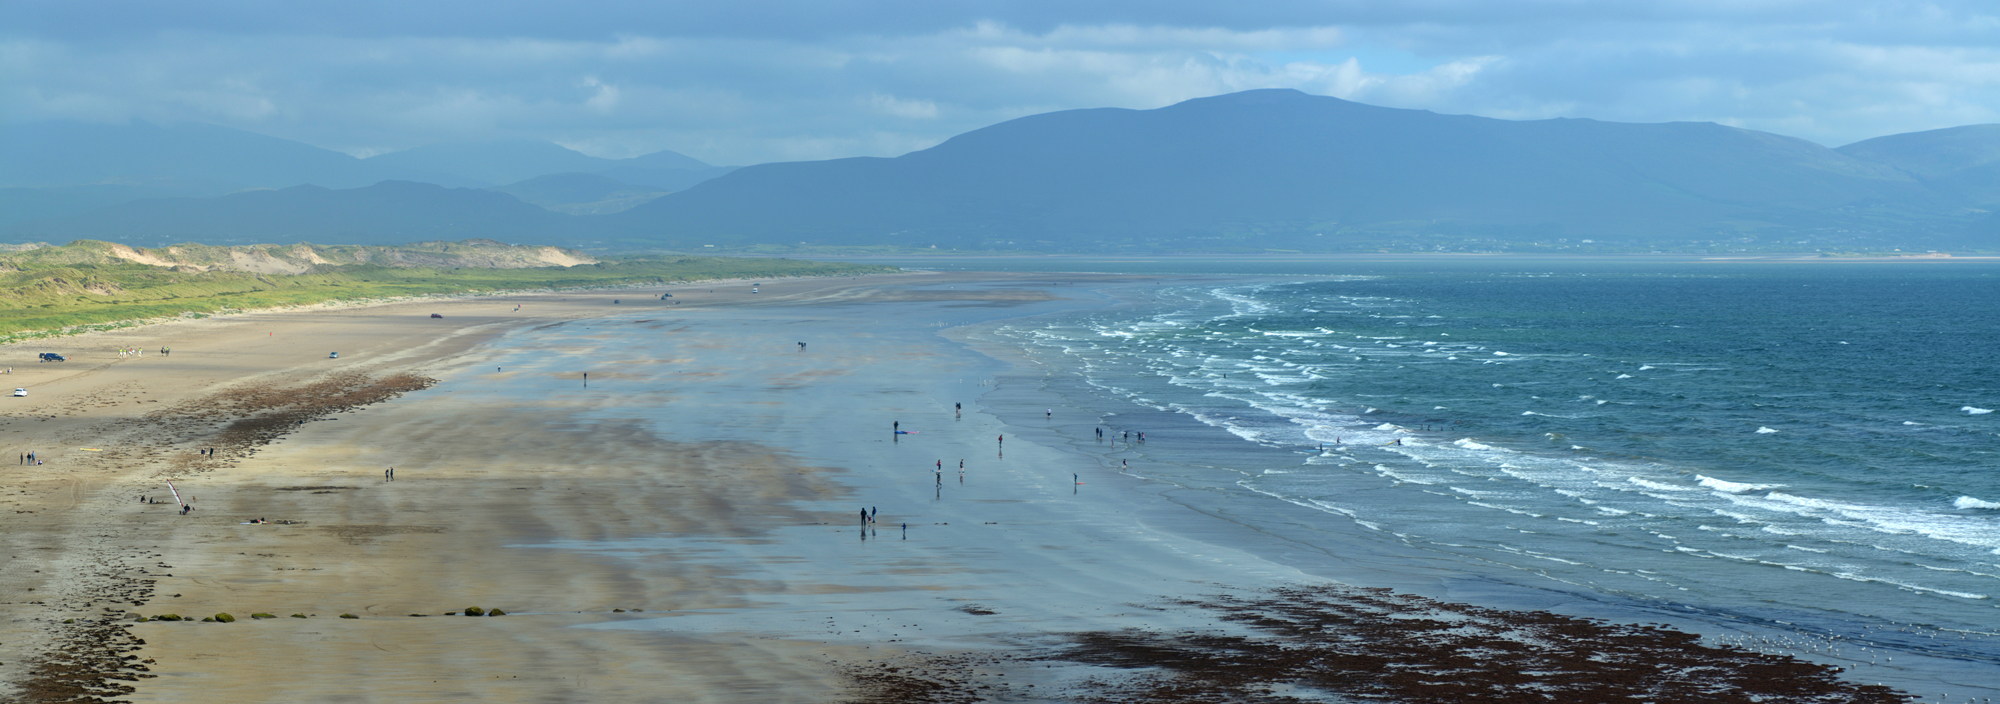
(683,525)
(109,429)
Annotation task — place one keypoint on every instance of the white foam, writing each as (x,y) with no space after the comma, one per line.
(1500,354)
(1393,474)
(1386,426)
(1468,444)
(1969,502)
(1906,585)
(1732,487)
(1761,430)
(1624,376)
(1656,486)
(1976,411)
(1645,367)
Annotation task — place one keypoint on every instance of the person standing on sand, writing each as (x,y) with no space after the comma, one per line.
(1048,413)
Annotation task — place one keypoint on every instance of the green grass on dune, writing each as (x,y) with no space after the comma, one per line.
(51,292)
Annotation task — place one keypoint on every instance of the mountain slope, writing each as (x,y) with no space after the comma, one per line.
(1279,168)
(512,161)
(192,157)
(579,194)
(1961,162)
(390,212)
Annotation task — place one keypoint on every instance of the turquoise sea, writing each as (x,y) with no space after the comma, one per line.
(1804,449)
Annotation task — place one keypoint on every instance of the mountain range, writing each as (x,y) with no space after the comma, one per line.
(1251,171)
(66,168)
(1280,169)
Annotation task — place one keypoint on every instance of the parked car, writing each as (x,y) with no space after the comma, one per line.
(20,392)
(53,357)
(434,315)
(333,355)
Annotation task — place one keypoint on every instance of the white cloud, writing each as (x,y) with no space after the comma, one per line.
(800,82)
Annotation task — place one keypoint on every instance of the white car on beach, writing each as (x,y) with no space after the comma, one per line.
(20,392)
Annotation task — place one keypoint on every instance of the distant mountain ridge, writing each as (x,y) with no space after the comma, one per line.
(390,212)
(63,168)
(1252,171)
(509,161)
(1282,169)
(580,194)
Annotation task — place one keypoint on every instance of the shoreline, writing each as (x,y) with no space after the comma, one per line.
(681,529)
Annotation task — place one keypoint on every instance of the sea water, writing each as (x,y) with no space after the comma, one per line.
(1807,446)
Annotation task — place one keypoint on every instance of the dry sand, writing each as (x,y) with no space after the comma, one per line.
(79,545)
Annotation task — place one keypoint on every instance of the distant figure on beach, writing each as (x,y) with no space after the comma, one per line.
(1003,439)
(895,425)
(1048,413)
(802,347)
(1122,465)
(1100,433)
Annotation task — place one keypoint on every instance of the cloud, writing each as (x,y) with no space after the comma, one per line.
(784,79)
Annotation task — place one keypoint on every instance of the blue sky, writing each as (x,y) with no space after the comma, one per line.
(772,80)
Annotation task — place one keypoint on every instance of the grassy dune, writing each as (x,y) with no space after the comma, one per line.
(92,285)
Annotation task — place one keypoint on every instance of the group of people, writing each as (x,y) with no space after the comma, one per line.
(29,458)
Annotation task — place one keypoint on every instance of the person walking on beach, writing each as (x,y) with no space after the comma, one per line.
(895,425)
(1048,414)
